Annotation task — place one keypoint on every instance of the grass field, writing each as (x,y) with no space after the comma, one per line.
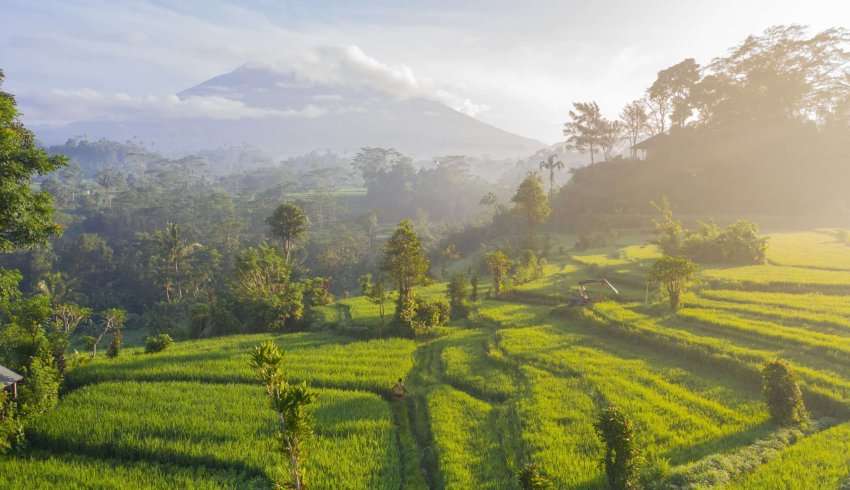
(521,381)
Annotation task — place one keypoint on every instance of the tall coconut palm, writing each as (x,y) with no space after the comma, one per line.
(551,165)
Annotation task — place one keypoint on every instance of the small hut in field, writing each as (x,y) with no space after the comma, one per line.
(9,380)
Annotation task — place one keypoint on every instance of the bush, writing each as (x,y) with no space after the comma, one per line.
(621,455)
(40,393)
(158,343)
(457,292)
(415,316)
(115,346)
(431,314)
(782,394)
(673,275)
(11,428)
(528,268)
(738,243)
(531,477)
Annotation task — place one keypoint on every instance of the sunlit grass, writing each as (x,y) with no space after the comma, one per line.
(818,461)
(781,277)
(820,249)
(229,427)
(323,359)
(467,444)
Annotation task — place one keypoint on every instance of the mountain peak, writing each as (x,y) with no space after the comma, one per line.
(286,114)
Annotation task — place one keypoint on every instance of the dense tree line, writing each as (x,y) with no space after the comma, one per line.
(763,130)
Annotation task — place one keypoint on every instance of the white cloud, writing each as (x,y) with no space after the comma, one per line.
(63,106)
(350,66)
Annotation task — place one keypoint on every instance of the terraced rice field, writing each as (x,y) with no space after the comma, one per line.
(522,381)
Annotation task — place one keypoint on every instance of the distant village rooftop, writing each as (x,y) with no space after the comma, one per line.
(649,145)
(8,377)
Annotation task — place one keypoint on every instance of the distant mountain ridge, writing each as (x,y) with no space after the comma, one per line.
(298,116)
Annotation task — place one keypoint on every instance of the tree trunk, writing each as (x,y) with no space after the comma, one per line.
(99,338)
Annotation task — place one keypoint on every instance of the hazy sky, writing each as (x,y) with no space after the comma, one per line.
(517,65)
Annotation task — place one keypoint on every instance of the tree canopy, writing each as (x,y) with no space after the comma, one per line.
(26,214)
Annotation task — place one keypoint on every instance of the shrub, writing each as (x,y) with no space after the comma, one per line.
(457,293)
(782,394)
(528,268)
(40,393)
(621,455)
(431,314)
(498,263)
(115,346)
(158,343)
(673,274)
(531,477)
(317,292)
(11,428)
(738,243)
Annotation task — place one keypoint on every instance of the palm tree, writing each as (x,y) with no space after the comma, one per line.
(173,251)
(551,165)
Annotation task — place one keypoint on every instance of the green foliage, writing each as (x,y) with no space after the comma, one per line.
(11,427)
(782,394)
(528,268)
(316,292)
(266,295)
(267,361)
(375,292)
(112,320)
(499,264)
(405,314)
(673,274)
(290,402)
(586,128)
(473,282)
(288,224)
(621,453)
(26,215)
(551,164)
(430,314)
(115,346)
(40,393)
(158,343)
(66,318)
(738,243)
(531,203)
(458,293)
(23,325)
(404,258)
(531,477)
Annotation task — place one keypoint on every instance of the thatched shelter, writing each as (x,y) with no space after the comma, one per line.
(9,380)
